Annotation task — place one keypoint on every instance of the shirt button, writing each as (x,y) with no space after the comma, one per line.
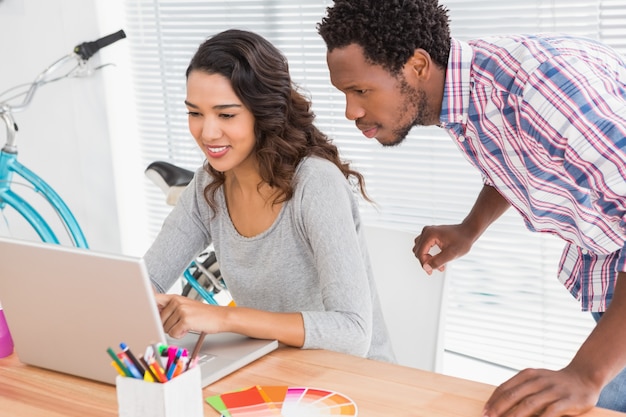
(584,251)
(461,138)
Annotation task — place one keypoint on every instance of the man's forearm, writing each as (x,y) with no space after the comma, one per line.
(489,206)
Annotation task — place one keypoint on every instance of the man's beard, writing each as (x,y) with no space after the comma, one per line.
(416,101)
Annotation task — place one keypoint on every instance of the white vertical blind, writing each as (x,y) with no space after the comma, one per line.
(506,305)
(613,23)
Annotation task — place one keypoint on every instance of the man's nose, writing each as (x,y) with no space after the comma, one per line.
(354,110)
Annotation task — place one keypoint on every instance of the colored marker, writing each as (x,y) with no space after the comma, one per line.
(132,358)
(149,369)
(149,353)
(157,348)
(158,371)
(172,351)
(118,369)
(118,362)
(129,365)
(148,377)
(174,364)
(180,366)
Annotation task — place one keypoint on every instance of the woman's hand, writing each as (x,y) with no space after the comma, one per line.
(180,315)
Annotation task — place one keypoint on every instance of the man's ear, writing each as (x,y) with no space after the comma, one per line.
(419,65)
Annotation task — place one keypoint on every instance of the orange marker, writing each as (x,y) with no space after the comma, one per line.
(156,368)
(180,365)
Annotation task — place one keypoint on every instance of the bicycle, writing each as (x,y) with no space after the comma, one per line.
(9,164)
(203,276)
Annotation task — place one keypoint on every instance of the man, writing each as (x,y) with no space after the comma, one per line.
(544,120)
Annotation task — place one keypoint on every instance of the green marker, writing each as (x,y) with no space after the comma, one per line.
(119,362)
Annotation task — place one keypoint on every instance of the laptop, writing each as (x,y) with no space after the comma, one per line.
(65,306)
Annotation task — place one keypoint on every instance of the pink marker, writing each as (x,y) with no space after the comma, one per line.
(171,355)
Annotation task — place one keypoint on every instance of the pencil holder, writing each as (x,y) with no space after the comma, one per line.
(180,396)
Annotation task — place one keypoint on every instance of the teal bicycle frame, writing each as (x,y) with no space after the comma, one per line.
(9,165)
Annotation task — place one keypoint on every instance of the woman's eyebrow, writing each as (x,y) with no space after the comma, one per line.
(219,106)
(226,106)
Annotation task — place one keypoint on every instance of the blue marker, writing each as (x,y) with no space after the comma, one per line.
(172,368)
(133,370)
(133,359)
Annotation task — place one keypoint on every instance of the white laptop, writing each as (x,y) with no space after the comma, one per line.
(65,306)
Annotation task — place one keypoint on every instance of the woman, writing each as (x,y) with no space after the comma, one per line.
(277,204)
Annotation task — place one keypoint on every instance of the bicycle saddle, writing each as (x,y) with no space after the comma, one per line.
(170,178)
(172,175)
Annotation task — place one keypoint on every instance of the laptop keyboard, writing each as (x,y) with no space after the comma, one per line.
(204,358)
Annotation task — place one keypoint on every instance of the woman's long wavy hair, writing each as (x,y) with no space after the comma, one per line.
(284,129)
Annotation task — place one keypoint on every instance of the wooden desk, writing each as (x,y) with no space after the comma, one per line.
(379,389)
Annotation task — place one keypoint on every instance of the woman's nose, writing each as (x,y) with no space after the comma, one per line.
(211,130)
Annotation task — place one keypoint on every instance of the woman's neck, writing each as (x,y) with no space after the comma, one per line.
(250,202)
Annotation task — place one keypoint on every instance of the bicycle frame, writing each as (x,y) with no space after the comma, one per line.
(9,165)
(208,297)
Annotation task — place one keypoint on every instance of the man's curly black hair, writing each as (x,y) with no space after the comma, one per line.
(389,31)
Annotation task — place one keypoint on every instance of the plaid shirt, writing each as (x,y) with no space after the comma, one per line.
(544,120)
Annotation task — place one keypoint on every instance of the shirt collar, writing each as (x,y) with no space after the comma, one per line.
(456,94)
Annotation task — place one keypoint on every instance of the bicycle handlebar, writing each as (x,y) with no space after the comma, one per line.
(81,53)
(87,49)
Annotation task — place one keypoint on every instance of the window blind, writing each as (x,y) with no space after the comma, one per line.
(505,304)
(612,24)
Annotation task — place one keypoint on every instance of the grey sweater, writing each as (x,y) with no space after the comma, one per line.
(311,260)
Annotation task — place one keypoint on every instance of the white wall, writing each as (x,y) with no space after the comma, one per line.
(128,168)
(65,135)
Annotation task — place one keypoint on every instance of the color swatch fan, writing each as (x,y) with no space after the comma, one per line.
(282,401)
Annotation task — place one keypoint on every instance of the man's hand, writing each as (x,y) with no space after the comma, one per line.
(457,240)
(452,240)
(541,392)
